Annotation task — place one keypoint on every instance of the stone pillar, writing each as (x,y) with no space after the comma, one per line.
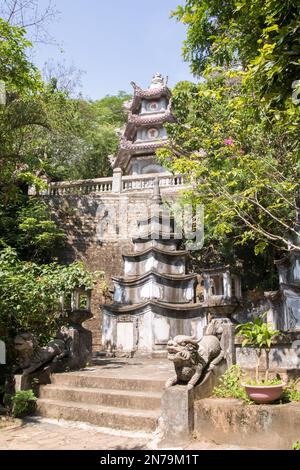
(177,414)
(237,286)
(227,342)
(276,312)
(2,352)
(227,285)
(117,181)
(206,287)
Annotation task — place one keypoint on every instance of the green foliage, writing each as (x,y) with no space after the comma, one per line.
(45,132)
(236,139)
(23,402)
(243,170)
(257,333)
(30,295)
(26,225)
(109,110)
(15,69)
(230,385)
(262,37)
(39,235)
(296,445)
(267,383)
(291,392)
(99,121)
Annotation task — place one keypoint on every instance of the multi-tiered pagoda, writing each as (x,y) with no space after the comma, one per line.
(145,132)
(155,299)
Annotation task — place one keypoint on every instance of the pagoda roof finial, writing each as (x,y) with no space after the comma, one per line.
(157,81)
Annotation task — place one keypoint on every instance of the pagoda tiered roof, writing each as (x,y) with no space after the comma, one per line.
(133,279)
(151,119)
(180,310)
(139,118)
(154,250)
(175,310)
(150,93)
(135,147)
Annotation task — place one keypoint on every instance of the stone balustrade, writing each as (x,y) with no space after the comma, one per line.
(115,184)
(132,183)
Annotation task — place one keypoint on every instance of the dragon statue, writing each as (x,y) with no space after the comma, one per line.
(192,358)
(32,356)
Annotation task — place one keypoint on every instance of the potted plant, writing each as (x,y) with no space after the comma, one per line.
(259,335)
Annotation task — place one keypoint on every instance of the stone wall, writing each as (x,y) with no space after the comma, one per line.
(284,354)
(229,421)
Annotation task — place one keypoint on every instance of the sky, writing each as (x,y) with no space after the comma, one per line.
(115,42)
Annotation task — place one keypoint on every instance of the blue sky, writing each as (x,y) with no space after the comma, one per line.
(116,41)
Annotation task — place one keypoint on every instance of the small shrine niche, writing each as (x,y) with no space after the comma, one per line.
(81,299)
(78,300)
(219,284)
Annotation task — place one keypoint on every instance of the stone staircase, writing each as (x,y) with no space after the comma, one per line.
(124,403)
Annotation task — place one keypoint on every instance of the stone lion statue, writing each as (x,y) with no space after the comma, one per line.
(192,357)
(32,356)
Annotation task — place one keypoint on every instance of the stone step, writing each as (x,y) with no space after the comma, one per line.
(117,398)
(77,379)
(104,416)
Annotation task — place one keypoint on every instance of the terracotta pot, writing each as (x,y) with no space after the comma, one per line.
(264,393)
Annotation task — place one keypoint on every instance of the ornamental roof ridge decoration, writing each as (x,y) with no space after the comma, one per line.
(158,81)
(157,88)
(150,93)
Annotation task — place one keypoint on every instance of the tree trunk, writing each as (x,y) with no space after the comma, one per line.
(267,364)
(258,352)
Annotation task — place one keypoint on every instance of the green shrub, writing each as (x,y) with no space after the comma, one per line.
(30,296)
(291,393)
(267,383)
(259,335)
(230,385)
(23,403)
(296,445)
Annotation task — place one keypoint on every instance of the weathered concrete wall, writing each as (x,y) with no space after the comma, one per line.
(229,421)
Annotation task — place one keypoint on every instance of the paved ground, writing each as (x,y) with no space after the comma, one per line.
(42,434)
(133,368)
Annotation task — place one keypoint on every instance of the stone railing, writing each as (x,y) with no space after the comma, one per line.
(64,188)
(131,183)
(115,184)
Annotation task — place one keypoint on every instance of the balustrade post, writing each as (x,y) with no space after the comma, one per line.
(117,180)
